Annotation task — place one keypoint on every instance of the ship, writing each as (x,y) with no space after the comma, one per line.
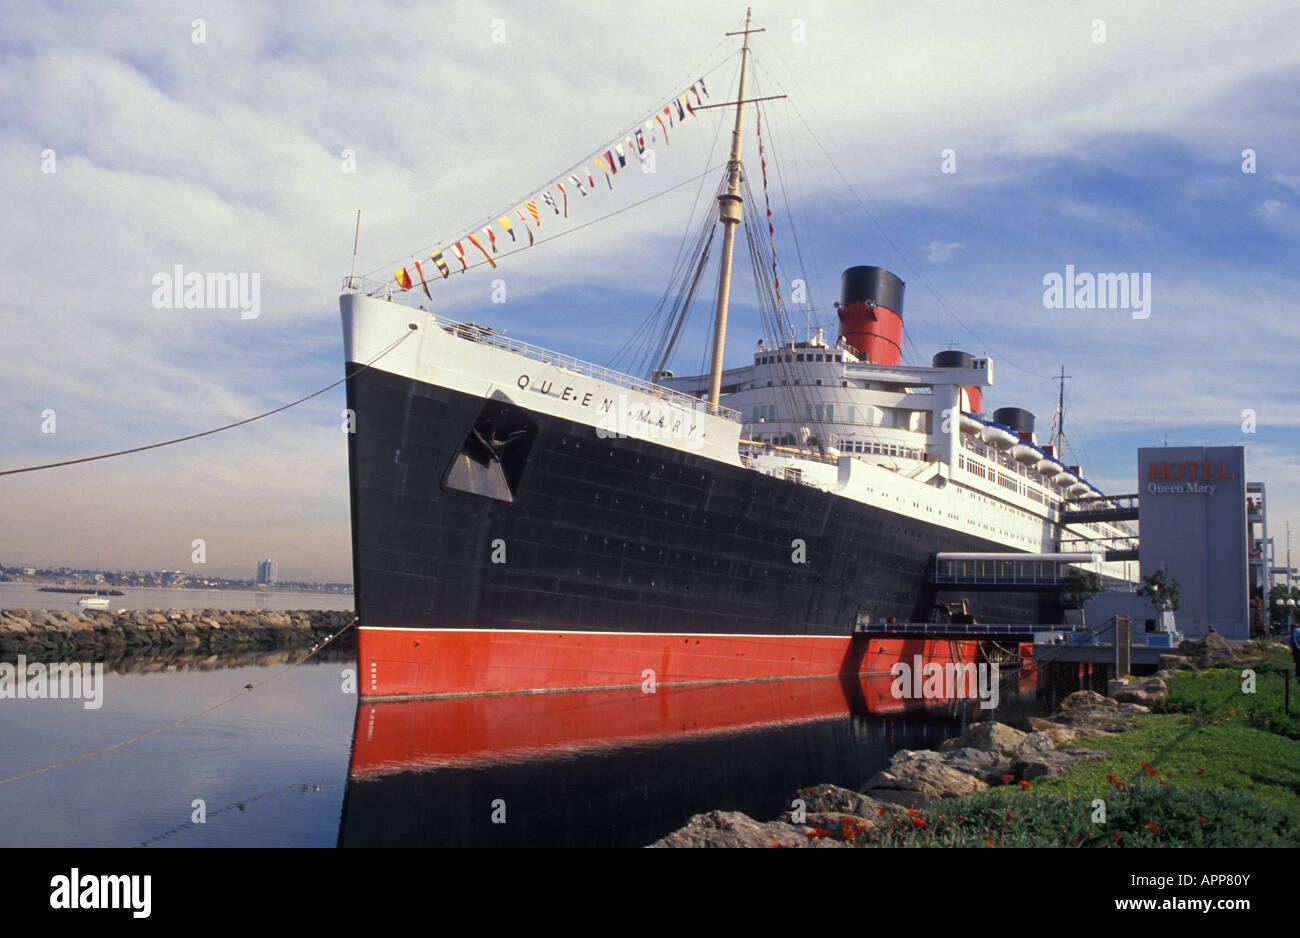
(525,521)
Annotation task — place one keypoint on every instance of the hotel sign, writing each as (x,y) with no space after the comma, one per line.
(1194,477)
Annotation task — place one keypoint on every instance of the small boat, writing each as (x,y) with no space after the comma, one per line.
(93,602)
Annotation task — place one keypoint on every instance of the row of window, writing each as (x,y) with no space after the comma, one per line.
(789,357)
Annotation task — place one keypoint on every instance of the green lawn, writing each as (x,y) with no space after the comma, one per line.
(1222,768)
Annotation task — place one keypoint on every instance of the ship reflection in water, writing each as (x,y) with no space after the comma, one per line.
(623,767)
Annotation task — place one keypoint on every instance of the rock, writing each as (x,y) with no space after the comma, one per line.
(735,829)
(1089,709)
(919,778)
(1058,732)
(986,766)
(831,799)
(1140,692)
(1085,700)
(989,737)
(1212,651)
(1052,763)
(1175,663)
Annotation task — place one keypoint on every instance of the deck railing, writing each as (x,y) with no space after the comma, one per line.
(485,336)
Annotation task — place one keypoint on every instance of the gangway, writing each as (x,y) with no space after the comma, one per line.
(1094,508)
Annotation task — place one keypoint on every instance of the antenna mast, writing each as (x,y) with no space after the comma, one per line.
(1060,416)
(729,214)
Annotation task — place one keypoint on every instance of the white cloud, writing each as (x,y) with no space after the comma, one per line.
(937,251)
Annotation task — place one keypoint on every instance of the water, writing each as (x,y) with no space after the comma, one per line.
(29,596)
(299,763)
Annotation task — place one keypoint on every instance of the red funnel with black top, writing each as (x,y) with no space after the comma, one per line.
(871,314)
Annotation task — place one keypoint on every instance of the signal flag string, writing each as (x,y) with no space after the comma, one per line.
(229,426)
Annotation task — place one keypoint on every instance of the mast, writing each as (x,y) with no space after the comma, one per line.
(1060,415)
(729,214)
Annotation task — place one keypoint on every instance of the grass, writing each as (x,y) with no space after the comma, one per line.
(1216,767)
(1222,697)
(1143,815)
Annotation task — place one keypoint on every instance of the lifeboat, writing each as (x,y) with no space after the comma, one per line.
(1027,453)
(998,436)
(1080,488)
(971,424)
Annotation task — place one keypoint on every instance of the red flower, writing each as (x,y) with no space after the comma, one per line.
(1119,784)
(1024,784)
(1205,820)
(918,822)
(1164,782)
(1151,771)
(1115,837)
(989,845)
(912,812)
(1008,779)
(1145,765)
(1010,816)
(817,832)
(1074,843)
(1169,774)
(880,810)
(1200,771)
(775,844)
(1153,827)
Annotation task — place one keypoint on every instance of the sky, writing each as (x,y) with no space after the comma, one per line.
(971,148)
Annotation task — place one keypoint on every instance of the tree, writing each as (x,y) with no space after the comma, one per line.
(1162,592)
(1078,588)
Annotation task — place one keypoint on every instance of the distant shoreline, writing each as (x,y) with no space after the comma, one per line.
(114,591)
(79,589)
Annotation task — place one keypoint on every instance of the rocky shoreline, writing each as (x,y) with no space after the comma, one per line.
(987,755)
(63,635)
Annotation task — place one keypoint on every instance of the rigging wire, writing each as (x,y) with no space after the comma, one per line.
(904,255)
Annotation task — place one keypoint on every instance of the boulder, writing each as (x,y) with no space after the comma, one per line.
(1055,762)
(920,778)
(986,766)
(989,737)
(1059,733)
(1089,709)
(735,829)
(1175,663)
(831,799)
(1212,651)
(1140,692)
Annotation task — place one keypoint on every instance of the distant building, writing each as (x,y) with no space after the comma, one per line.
(267,572)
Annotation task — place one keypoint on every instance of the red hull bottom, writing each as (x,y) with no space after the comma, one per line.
(449,662)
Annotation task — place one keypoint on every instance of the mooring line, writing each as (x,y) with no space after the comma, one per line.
(135,739)
(229,426)
(305,788)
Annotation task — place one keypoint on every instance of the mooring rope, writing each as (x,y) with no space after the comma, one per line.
(175,723)
(229,426)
